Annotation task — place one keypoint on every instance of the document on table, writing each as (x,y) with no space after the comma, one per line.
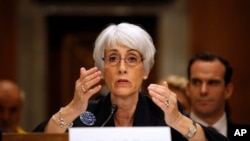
(119,134)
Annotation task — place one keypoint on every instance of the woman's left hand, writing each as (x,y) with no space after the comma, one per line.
(166,100)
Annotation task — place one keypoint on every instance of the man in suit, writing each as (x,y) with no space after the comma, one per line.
(209,87)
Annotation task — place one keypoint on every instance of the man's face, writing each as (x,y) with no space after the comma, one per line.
(10,110)
(207,89)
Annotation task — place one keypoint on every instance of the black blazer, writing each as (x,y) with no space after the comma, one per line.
(147,113)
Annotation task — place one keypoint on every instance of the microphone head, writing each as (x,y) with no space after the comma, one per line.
(114,108)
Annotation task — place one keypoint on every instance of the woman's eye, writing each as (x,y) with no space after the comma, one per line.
(132,59)
(113,58)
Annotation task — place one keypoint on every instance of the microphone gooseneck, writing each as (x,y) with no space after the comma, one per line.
(113,110)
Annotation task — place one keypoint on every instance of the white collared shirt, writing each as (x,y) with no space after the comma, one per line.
(220,125)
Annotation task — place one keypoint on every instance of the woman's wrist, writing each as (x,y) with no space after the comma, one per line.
(58,118)
(189,129)
(61,120)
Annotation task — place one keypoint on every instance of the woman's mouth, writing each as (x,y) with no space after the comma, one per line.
(122,82)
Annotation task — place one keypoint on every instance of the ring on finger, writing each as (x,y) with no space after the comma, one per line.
(84,90)
(167,102)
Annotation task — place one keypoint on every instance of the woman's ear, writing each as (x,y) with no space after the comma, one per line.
(145,77)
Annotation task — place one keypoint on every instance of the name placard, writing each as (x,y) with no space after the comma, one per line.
(120,134)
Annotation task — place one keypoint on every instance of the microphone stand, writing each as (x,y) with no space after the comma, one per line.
(113,110)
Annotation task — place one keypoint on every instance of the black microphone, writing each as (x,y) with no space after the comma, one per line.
(112,112)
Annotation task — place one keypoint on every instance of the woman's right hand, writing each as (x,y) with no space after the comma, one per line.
(85,87)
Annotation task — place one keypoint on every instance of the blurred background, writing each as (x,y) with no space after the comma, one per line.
(43,44)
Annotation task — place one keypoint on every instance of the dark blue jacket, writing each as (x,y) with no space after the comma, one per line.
(147,113)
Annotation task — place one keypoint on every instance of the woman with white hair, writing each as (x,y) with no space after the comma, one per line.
(124,56)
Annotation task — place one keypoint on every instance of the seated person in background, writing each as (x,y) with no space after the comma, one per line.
(177,84)
(124,56)
(11,103)
(209,87)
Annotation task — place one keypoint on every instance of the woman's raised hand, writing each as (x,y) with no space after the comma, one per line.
(86,86)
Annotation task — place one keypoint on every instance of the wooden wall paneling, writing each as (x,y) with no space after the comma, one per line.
(8,41)
(223,27)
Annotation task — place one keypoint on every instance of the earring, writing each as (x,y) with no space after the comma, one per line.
(145,77)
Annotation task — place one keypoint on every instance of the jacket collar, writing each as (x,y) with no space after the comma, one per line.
(141,117)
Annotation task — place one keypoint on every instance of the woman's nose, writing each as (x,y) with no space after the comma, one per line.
(122,66)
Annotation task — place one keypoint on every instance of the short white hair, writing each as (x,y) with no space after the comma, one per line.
(129,35)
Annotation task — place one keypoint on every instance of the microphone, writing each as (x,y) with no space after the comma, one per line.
(112,112)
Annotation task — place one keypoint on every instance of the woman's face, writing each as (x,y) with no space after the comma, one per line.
(123,70)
